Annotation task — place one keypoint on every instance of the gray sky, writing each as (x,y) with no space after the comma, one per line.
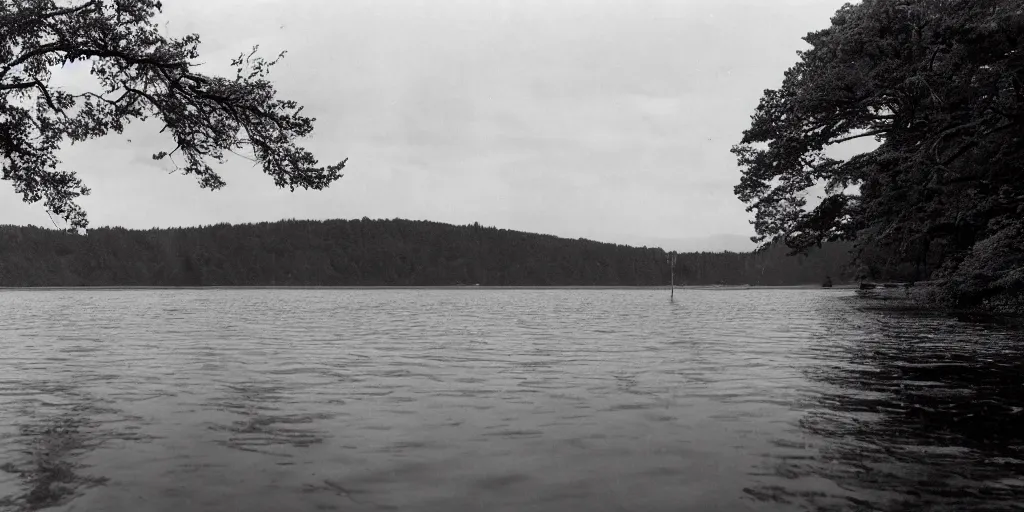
(602,119)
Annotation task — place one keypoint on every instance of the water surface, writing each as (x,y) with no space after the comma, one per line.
(502,400)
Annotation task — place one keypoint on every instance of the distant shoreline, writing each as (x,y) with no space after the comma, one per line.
(449,287)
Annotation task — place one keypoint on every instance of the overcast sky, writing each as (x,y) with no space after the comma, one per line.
(603,119)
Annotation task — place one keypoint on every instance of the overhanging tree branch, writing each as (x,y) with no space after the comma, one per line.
(206,116)
(871,133)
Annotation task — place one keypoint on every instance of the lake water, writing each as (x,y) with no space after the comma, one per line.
(502,400)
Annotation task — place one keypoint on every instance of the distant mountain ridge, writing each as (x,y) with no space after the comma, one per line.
(721,242)
(377,252)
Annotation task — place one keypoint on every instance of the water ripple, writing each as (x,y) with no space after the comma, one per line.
(268,400)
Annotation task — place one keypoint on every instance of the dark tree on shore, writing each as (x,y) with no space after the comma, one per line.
(139,74)
(939,84)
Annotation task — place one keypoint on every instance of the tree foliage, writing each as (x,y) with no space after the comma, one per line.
(139,73)
(940,85)
(376,252)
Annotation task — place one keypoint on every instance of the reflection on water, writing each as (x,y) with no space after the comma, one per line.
(267,400)
(912,412)
(42,452)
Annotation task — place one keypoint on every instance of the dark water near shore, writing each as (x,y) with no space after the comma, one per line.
(502,400)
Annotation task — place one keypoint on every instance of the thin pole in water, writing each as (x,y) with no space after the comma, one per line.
(672,270)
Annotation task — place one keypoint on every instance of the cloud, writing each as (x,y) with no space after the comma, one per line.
(604,119)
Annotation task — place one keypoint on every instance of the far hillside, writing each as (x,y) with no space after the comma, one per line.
(378,253)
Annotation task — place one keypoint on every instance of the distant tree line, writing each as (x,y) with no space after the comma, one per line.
(375,253)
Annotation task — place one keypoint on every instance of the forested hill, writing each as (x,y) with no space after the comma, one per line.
(376,252)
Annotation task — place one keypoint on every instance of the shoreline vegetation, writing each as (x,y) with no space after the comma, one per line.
(375,253)
(367,254)
(405,254)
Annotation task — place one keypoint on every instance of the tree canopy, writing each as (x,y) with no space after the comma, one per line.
(939,84)
(139,73)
